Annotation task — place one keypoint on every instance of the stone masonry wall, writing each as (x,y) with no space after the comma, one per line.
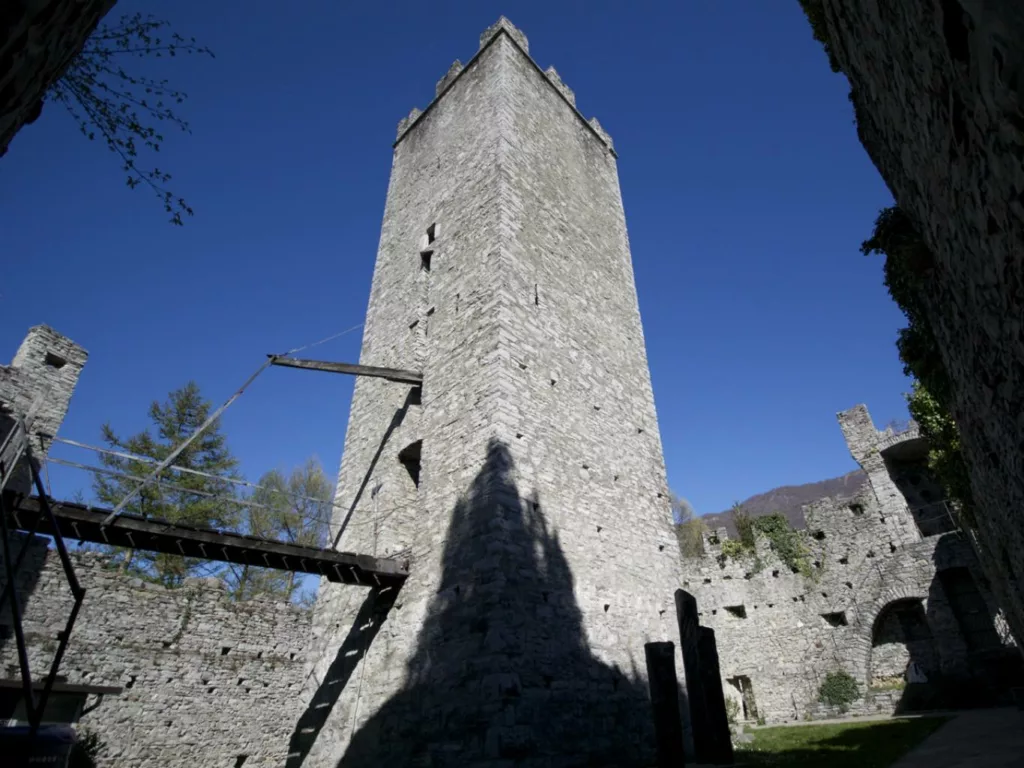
(206,681)
(45,368)
(785,632)
(540,530)
(38,38)
(938,92)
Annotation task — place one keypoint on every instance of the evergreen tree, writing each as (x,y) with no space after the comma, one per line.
(180,497)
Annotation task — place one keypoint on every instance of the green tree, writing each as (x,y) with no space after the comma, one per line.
(179,497)
(123,109)
(295,508)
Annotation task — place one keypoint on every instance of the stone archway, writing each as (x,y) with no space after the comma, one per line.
(874,620)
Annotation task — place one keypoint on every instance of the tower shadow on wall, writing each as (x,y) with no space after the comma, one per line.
(958,615)
(502,669)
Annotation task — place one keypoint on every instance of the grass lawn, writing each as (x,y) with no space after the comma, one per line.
(875,744)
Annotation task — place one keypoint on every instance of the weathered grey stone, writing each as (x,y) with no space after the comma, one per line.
(936,89)
(564,89)
(205,680)
(503,24)
(37,42)
(43,374)
(539,530)
(451,74)
(782,632)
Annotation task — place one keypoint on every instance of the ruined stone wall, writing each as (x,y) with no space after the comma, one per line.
(785,632)
(43,373)
(540,530)
(873,600)
(37,41)
(206,681)
(938,91)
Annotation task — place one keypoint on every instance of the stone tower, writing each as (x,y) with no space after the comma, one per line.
(525,479)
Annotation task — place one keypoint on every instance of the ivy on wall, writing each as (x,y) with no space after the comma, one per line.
(908,263)
(787,544)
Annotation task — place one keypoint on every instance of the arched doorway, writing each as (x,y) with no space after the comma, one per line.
(899,635)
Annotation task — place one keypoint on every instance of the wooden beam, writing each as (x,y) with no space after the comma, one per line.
(86,523)
(391,374)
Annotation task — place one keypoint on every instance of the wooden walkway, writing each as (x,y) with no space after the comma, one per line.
(85,523)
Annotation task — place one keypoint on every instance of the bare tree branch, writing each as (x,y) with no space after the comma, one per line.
(121,108)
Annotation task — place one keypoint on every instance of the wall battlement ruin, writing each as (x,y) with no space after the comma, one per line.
(877,592)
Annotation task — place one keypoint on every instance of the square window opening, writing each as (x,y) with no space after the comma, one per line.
(835,619)
(54,361)
(410,459)
(736,611)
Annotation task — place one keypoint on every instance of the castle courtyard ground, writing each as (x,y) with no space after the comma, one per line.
(986,738)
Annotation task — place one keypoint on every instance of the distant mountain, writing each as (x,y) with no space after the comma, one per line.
(789,499)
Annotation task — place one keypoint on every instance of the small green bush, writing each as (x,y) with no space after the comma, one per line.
(734,549)
(839,690)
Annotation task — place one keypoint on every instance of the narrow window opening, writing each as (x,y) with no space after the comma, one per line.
(54,361)
(892,547)
(836,619)
(240,760)
(536,295)
(425,259)
(606,607)
(416,395)
(432,232)
(410,458)
(737,611)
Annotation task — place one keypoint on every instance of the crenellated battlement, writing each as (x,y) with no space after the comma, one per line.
(503,28)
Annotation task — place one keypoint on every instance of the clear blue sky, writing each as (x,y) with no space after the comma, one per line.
(747,195)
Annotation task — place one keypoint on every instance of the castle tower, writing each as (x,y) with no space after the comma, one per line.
(525,479)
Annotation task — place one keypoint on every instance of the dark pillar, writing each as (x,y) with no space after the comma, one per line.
(668,728)
(686,614)
(719,739)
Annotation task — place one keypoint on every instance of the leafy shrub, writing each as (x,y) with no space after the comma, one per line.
(839,689)
(787,544)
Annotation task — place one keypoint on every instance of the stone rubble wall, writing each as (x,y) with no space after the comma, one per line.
(786,646)
(38,40)
(206,681)
(938,93)
(46,365)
